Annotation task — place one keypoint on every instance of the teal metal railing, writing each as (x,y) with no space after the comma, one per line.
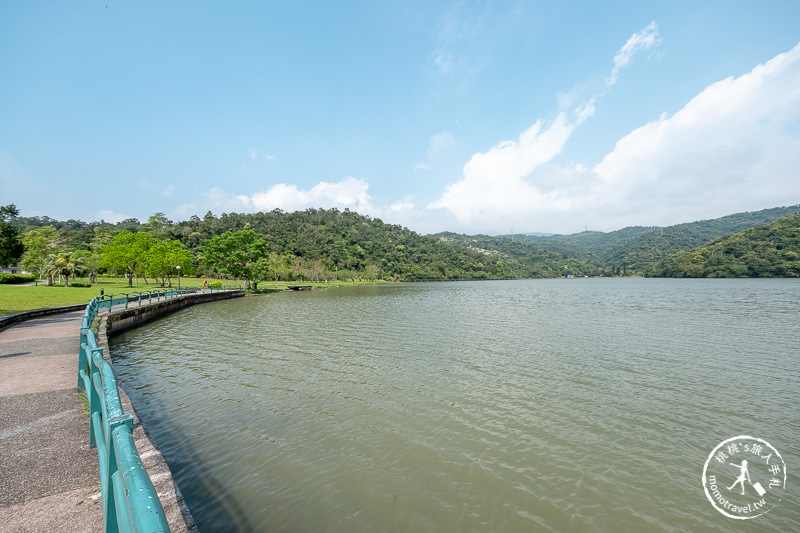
(130,502)
(156,295)
(143,297)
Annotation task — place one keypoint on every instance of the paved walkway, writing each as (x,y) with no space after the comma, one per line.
(49,478)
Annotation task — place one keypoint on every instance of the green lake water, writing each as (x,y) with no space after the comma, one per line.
(540,405)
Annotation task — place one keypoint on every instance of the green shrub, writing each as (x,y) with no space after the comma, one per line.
(84,285)
(16,278)
(215,284)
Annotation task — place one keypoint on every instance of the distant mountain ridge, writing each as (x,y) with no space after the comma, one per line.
(634,249)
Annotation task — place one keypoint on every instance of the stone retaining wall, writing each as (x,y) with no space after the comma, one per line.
(120,320)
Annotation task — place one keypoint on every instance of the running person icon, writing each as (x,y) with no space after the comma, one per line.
(743,475)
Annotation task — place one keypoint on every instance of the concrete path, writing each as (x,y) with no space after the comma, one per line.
(49,478)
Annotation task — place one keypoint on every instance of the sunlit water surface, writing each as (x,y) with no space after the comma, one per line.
(553,405)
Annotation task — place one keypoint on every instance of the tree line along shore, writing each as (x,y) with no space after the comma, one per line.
(319,245)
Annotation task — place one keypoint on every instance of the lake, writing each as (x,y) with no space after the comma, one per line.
(503,406)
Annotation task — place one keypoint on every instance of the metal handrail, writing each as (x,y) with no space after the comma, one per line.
(146,297)
(130,501)
(143,297)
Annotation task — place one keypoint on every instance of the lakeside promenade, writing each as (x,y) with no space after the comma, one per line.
(49,477)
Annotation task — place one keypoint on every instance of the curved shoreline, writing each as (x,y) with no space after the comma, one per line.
(177,513)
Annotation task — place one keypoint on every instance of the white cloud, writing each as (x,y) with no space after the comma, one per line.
(734,147)
(500,185)
(169,190)
(439,145)
(730,148)
(255,156)
(348,193)
(489,178)
(443,60)
(110,216)
(457,29)
(504,186)
(215,200)
(642,40)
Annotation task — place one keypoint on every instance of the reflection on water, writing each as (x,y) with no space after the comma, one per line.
(553,405)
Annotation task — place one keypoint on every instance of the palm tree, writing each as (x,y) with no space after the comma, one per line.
(49,268)
(64,265)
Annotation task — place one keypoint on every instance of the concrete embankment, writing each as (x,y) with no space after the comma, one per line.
(120,320)
(178,515)
(50,479)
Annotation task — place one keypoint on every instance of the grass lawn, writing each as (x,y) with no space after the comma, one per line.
(15,298)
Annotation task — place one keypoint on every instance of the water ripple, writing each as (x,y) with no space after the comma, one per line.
(584,405)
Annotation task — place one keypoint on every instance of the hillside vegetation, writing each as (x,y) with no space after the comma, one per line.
(314,244)
(633,250)
(768,250)
(526,261)
(320,244)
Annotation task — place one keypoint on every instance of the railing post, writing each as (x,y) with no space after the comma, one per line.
(110,508)
(82,361)
(93,395)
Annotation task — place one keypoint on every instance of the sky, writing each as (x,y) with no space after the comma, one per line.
(474,117)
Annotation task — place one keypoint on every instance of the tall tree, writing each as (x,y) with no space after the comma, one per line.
(90,263)
(40,243)
(11,247)
(102,236)
(236,254)
(127,253)
(163,258)
(157,225)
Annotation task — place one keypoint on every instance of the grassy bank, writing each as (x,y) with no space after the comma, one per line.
(16,298)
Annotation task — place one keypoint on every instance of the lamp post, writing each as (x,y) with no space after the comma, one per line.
(179,277)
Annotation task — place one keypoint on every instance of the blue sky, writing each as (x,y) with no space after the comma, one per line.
(474,117)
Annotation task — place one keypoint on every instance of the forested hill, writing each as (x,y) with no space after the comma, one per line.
(768,250)
(345,240)
(312,244)
(525,261)
(318,244)
(637,249)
